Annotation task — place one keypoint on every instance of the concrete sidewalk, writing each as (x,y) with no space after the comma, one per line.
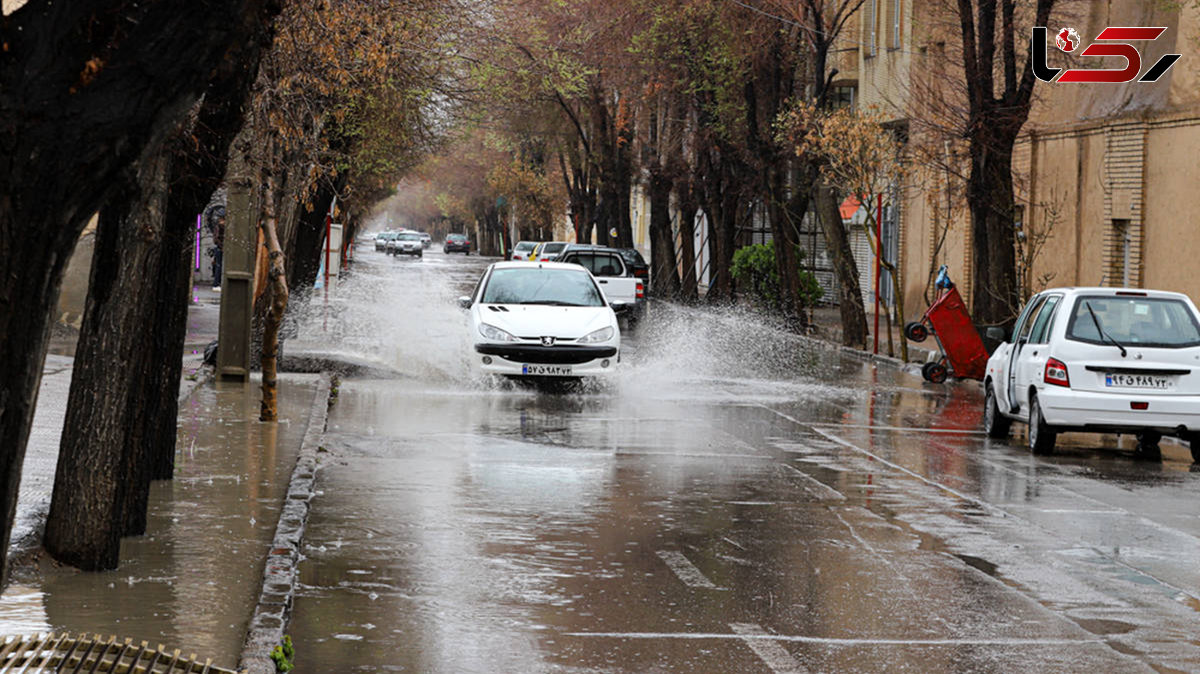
(41,454)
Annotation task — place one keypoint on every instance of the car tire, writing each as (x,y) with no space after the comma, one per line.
(934,372)
(1041,435)
(1193,441)
(916,332)
(995,424)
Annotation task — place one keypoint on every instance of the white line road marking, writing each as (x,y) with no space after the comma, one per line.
(776,658)
(812,484)
(732,542)
(696,455)
(830,641)
(906,429)
(685,570)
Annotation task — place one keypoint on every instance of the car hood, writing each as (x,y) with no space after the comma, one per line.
(535,320)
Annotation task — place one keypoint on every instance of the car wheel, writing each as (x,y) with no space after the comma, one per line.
(1041,435)
(1193,440)
(916,332)
(994,422)
(934,372)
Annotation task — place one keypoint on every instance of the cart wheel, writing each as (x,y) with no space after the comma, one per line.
(934,372)
(916,331)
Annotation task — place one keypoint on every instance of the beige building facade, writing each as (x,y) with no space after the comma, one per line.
(1104,173)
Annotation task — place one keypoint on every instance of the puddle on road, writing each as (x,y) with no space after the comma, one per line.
(191,582)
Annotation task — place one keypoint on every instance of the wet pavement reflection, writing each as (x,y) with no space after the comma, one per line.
(735,500)
(191,582)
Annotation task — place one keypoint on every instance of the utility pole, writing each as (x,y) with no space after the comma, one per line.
(237,284)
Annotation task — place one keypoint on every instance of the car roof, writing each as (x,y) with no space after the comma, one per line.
(529,264)
(1135,292)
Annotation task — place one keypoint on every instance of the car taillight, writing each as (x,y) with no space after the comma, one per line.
(1056,373)
(641,273)
(641,291)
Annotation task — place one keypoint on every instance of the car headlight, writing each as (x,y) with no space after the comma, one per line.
(495,334)
(601,335)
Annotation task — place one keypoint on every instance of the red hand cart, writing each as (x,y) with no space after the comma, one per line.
(962,352)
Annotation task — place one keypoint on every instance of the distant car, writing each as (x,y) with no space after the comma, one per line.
(382,238)
(624,290)
(457,243)
(407,243)
(542,319)
(1098,360)
(523,250)
(636,264)
(548,251)
(426,240)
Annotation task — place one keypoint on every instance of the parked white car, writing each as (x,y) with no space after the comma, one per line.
(542,319)
(1103,360)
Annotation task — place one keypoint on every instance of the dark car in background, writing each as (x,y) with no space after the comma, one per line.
(636,264)
(457,243)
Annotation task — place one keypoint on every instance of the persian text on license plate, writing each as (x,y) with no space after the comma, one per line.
(546,370)
(1137,381)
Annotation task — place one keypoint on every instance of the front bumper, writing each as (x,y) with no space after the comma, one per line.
(564,361)
(410,250)
(1111,412)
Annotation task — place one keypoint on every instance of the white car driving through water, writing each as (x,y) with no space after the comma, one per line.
(542,319)
(1099,360)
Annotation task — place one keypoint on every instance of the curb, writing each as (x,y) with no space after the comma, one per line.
(271,614)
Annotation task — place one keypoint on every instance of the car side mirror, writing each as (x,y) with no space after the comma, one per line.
(464,302)
(996,334)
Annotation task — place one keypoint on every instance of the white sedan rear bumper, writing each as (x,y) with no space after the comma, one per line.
(1078,409)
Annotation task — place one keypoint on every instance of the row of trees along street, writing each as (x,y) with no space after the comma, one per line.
(522,111)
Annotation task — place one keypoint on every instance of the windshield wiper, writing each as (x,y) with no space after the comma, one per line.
(1103,334)
(554,303)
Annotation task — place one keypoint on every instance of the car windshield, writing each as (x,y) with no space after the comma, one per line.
(1134,321)
(523,246)
(455,237)
(410,237)
(552,248)
(560,287)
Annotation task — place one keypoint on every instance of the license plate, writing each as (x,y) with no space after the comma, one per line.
(1138,381)
(546,370)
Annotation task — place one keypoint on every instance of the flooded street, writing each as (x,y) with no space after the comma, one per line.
(735,500)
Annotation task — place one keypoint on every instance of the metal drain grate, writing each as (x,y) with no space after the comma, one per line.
(63,653)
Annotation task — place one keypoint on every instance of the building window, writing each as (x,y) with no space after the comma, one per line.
(841,97)
(872,26)
(896,23)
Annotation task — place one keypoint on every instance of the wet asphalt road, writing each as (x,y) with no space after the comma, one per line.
(734,501)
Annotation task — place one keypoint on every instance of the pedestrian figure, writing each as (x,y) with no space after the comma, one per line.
(217,228)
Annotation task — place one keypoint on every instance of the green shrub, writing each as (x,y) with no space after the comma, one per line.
(755,271)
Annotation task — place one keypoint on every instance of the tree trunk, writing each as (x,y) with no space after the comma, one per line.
(279,300)
(687,245)
(664,274)
(850,302)
(99,458)
(67,134)
(994,288)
